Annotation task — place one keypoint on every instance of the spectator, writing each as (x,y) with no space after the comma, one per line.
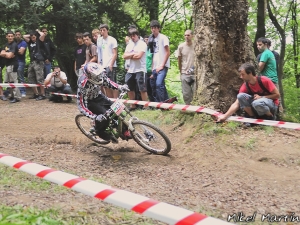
(58,81)
(127,61)
(149,73)
(95,35)
(91,49)
(35,42)
(50,51)
(254,101)
(107,55)
(10,52)
(136,74)
(159,46)
(80,54)
(276,55)
(186,64)
(267,62)
(146,38)
(277,58)
(22,47)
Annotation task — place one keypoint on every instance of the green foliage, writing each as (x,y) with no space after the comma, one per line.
(292,100)
(22,215)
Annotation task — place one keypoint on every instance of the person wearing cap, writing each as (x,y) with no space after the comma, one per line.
(58,83)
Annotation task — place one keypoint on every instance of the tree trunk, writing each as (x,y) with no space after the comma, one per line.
(153,9)
(281,31)
(261,17)
(64,43)
(221,46)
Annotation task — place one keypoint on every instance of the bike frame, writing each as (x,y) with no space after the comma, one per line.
(111,115)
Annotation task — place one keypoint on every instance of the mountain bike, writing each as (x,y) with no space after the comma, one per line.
(145,134)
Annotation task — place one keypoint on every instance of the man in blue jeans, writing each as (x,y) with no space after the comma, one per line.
(50,50)
(22,46)
(255,101)
(159,46)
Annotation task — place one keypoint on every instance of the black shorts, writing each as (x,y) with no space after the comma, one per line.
(112,75)
(99,106)
(136,79)
(1,79)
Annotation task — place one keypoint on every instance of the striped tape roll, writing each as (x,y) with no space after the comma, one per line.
(198,109)
(14,85)
(161,211)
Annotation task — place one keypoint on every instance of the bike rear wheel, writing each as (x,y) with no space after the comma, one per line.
(150,137)
(84,125)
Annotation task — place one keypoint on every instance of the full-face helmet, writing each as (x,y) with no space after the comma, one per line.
(94,73)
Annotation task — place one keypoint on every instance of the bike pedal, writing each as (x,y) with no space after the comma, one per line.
(114,140)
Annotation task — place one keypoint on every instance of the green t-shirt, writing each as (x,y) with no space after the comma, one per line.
(270,65)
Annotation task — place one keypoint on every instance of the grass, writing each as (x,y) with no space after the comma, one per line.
(21,215)
(26,182)
(17,180)
(12,179)
(32,216)
(268,129)
(251,144)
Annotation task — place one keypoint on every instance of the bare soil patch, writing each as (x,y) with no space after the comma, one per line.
(255,170)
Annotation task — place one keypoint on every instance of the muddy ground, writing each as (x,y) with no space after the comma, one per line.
(246,170)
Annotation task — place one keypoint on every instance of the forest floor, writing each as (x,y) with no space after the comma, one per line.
(213,169)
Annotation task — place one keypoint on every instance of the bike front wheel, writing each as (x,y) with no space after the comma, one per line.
(84,125)
(150,137)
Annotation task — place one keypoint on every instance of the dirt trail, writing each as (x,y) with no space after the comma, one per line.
(246,171)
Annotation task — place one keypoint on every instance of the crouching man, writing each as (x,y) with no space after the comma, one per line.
(58,81)
(258,96)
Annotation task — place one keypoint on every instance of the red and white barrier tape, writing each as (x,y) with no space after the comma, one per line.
(14,85)
(157,210)
(198,109)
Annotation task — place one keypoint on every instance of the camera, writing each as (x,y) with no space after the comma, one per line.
(56,74)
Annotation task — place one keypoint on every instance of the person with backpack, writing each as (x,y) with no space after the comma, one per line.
(267,63)
(259,99)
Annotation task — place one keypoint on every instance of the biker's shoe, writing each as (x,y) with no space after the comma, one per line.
(103,135)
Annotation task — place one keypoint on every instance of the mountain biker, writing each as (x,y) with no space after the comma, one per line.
(92,102)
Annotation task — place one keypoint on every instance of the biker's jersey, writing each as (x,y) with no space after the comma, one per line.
(87,91)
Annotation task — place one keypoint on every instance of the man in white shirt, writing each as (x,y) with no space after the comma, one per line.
(136,74)
(107,55)
(58,83)
(159,46)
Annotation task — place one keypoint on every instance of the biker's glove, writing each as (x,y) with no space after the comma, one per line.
(123,88)
(100,118)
